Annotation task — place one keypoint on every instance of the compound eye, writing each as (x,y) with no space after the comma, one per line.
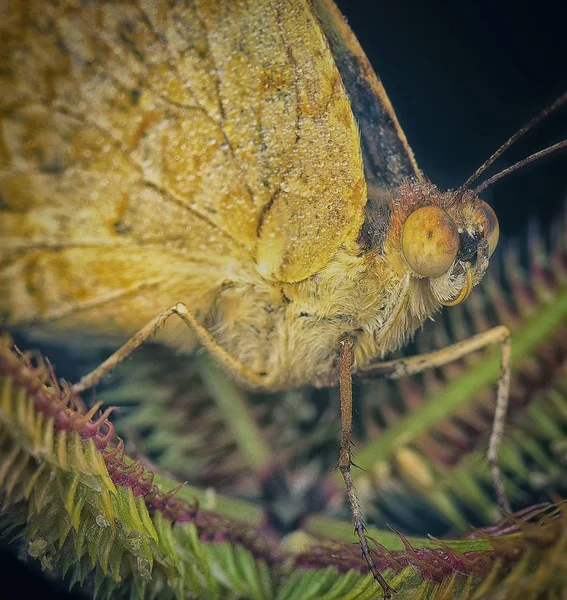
(491,229)
(430,241)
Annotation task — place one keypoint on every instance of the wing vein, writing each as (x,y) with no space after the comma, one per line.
(228,141)
(266,209)
(171,59)
(122,148)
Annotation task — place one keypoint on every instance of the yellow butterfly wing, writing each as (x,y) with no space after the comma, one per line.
(149,148)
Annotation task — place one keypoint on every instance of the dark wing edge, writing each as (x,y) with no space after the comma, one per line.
(388,158)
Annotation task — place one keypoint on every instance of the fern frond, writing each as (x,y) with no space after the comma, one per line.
(89,512)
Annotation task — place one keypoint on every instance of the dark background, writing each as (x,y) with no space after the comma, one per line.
(463,77)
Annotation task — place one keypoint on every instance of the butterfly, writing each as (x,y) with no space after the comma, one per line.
(230,175)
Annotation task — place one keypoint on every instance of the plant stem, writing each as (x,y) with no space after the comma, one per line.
(237,416)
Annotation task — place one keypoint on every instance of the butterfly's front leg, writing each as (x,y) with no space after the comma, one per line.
(345,458)
(395,369)
(237,369)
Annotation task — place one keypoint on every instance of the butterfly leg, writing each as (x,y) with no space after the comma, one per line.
(239,371)
(395,369)
(345,458)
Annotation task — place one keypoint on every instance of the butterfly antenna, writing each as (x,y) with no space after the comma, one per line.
(519,165)
(537,119)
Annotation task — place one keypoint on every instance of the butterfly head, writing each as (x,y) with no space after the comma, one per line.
(443,237)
